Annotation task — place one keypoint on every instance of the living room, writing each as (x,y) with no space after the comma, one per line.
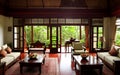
(98,18)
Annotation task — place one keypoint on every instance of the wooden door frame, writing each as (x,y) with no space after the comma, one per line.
(57,35)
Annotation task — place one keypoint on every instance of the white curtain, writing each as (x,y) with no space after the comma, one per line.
(109,31)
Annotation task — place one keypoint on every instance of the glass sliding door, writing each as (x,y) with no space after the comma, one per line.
(55,39)
(18,39)
(35,33)
(97,33)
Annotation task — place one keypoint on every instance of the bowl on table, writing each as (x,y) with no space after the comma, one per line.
(84,55)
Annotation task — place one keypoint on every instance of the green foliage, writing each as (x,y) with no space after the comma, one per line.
(40,33)
(117,41)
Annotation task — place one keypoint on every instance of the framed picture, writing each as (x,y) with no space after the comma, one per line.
(9,28)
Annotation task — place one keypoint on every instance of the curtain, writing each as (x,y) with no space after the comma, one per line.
(87,36)
(113,30)
(109,31)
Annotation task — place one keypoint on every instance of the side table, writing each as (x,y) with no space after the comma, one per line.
(2,68)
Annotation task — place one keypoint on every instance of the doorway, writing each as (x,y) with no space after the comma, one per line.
(55,39)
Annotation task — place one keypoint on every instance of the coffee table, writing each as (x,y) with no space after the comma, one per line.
(91,62)
(32,62)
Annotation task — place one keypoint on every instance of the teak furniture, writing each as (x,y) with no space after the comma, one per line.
(37,46)
(2,68)
(36,49)
(32,62)
(68,43)
(91,62)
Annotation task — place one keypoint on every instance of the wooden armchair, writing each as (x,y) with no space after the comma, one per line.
(78,48)
(37,46)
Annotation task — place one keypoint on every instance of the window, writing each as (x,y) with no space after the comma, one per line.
(117,36)
(97,25)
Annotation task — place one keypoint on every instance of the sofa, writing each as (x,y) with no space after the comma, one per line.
(111,59)
(8,56)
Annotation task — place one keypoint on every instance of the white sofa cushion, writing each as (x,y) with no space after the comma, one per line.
(103,54)
(110,59)
(7,60)
(107,57)
(13,54)
(77,46)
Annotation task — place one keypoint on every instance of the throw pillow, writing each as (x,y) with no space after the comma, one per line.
(8,49)
(4,46)
(3,53)
(113,51)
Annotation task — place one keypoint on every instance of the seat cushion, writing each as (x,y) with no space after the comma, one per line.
(103,54)
(76,52)
(7,60)
(13,54)
(110,59)
(77,46)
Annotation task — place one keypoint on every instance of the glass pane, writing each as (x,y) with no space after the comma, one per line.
(61,21)
(95,30)
(17,21)
(28,21)
(53,20)
(16,36)
(94,39)
(53,42)
(97,22)
(84,21)
(39,33)
(53,31)
(46,21)
(27,34)
(40,21)
(35,21)
(77,21)
(117,36)
(15,43)
(16,29)
(94,44)
(69,21)
(71,31)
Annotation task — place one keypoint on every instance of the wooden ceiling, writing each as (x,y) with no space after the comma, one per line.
(57,3)
(94,4)
(54,3)
(69,4)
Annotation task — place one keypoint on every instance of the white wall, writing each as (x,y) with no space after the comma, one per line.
(8,35)
(5,36)
(1,29)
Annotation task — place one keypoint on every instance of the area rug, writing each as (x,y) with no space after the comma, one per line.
(50,67)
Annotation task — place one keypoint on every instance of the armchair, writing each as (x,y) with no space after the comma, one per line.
(37,46)
(78,48)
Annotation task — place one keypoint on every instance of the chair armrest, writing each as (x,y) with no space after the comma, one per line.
(117,67)
(72,49)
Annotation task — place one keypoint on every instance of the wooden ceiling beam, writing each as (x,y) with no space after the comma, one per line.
(56,12)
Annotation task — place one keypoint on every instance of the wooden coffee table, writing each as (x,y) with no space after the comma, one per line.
(91,62)
(32,62)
